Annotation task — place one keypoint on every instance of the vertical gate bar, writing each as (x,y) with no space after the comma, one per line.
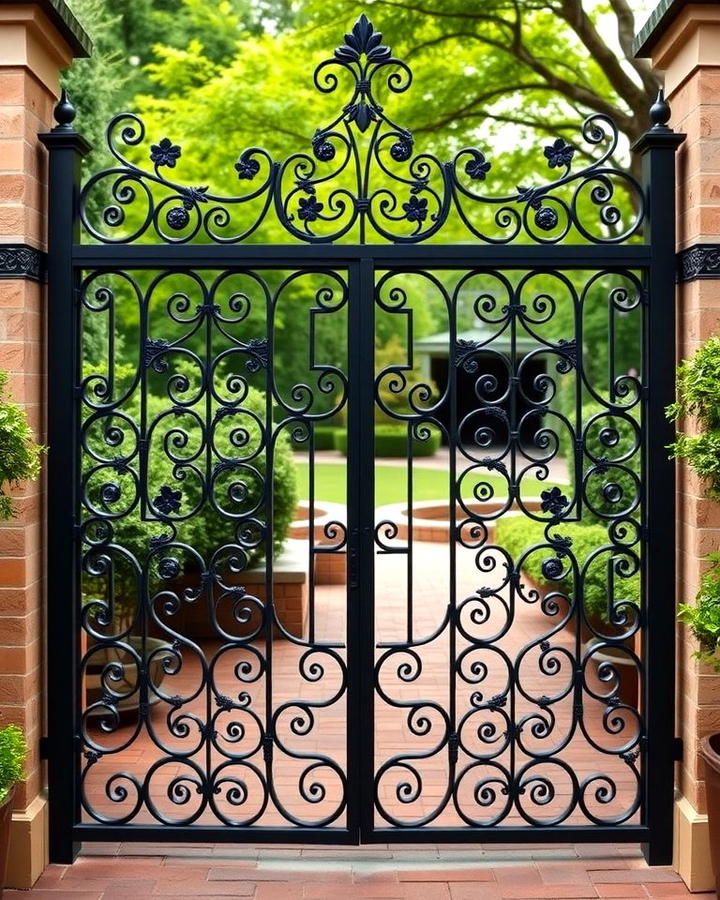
(361,558)
(66,150)
(657,147)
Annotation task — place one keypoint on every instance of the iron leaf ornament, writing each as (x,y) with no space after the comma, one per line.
(363,178)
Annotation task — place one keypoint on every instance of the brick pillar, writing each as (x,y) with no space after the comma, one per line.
(683,41)
(37,40)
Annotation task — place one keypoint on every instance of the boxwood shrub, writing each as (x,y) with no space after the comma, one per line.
(391,440)
(517,534)
(177,491)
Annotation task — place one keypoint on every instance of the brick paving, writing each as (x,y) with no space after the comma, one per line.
(380,872)
(596,748)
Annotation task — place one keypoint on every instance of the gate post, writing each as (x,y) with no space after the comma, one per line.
(683,40)
(66,149)
(657,148)
(37,41)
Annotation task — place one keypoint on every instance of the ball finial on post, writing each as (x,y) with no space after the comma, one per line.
(64,112)
(660,111)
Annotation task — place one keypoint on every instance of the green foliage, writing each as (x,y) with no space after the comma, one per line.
(202,525)
(703,618)
(392,441)
(98,85)
(698,396)
(517,534)
(19,454)
(13,751)
(614,491)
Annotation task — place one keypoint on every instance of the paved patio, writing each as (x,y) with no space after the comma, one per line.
(433,872)
(550,740)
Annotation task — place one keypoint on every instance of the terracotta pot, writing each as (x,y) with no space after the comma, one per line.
(5,819)
(710,752)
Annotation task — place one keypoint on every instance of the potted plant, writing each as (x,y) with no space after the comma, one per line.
(13,750)
(19,461)
(703,619)
(698,399)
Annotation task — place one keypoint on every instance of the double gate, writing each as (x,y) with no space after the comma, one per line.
(491,657)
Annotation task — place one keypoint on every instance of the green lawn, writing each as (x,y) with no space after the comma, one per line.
(391,483)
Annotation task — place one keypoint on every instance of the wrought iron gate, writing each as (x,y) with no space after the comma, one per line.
(447,687)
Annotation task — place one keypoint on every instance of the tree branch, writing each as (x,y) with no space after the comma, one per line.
(576,17)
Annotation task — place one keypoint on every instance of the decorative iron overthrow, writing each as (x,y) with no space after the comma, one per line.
(362,179)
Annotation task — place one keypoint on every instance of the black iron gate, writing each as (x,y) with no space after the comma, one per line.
(495,663)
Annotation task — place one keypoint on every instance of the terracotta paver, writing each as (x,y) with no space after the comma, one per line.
(474,872)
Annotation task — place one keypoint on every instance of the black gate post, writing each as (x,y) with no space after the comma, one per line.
(657,147)
(66,149)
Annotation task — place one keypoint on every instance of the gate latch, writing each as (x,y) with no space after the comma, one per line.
(353,568)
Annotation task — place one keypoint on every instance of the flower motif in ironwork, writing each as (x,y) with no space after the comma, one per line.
(169,568)
(165,153)
(246,167)
(177,218)
(546,218)
(322,148)
(553,501)
(416,209)
(402,148)
(552,568)
(477,167)
(168,500)
(559,154)
(309,209)
(363,39)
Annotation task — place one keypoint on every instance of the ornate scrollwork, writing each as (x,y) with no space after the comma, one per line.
(363,178)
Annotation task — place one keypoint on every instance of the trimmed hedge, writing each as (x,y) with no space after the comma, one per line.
(324,439)
(517,534)
(391,440)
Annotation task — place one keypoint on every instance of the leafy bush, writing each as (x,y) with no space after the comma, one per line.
(614,491)
(698,395)
(177,492)
(391,440)
(517,534)
(13,750)
(324,439)
(703,618)
(19,454)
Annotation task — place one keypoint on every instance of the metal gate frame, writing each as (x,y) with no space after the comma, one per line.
(68,257)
